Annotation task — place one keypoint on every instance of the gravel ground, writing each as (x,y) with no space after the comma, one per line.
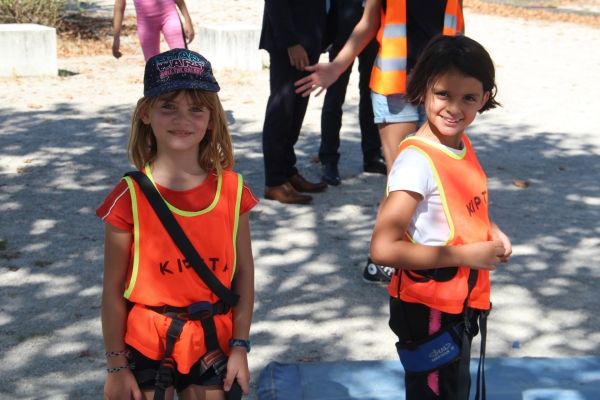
(63,148)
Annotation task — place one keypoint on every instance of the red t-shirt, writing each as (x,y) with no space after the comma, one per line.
(116,208)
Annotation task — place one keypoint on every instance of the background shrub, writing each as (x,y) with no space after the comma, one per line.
(42,12)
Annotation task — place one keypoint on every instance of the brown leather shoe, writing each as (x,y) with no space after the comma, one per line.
(302,185)
(286,194)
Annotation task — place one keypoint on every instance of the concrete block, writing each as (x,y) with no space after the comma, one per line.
(27,50)
(231,46)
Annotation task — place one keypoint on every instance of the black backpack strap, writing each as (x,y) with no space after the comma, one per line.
(181,240)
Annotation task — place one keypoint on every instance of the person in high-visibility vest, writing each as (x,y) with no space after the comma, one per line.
(434,228)
(164,326)
(403,29)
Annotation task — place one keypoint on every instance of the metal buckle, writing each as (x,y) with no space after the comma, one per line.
(164,384)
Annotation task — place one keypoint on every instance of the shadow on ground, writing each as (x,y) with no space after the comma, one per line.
(57,165)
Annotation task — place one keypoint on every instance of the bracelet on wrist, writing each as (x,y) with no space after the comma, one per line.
(241,343)
(126,353)
(121,368)
(117,369)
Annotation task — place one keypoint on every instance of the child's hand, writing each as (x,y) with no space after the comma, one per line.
(237,368)
(115,47)
(323,75)
(484,255)
(188,30)
(499,235)
(121,385)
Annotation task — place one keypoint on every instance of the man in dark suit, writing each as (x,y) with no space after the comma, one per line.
(293,33)
(350,12)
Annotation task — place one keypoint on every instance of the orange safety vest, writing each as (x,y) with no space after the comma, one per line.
(463,189)
(159,274)
(389,70)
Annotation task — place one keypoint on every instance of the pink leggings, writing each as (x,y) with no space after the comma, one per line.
(154,16)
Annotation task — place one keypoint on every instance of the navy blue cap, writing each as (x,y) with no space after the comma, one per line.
(178,69)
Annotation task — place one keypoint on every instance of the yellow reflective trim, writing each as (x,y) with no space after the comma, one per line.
(188,213)
(236,222)
(410,237)
(440,188)
(441,147)
(136,238)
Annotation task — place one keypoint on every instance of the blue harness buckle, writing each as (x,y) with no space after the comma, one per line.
(201,306)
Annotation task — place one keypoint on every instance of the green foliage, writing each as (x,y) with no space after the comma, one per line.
(42,12)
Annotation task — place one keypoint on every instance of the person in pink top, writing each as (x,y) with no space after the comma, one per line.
(154,16)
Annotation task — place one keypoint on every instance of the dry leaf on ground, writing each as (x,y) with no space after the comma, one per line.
(521,184)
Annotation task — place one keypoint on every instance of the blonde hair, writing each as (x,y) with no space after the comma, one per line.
(216,150)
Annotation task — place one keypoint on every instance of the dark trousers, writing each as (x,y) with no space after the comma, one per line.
(283,119)
(418,316)
(331,116)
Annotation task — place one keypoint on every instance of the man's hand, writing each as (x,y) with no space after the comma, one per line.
(298,57)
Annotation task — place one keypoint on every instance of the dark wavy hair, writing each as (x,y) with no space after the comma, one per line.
(446,54)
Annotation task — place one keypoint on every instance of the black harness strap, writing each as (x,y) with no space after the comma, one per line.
(202,311)
(481,369)
(464,374)
(214,357)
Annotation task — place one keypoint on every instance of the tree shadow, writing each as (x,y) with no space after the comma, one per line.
(311,304)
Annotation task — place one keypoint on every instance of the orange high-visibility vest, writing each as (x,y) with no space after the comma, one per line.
(160,275)
(389,71)
(463,190)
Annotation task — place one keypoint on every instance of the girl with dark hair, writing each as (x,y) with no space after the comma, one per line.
(434,227)
(403,28)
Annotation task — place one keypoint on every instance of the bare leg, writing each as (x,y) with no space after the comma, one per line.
(195,392)
(391,135)
(149,394)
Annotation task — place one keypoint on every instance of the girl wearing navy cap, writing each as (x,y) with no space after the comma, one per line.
(179,140)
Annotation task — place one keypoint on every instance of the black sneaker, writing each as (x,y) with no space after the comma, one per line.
(376,273)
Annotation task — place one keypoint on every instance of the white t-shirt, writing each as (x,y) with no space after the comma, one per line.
(411,171)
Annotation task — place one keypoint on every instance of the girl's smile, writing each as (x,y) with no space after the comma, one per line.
(451,106)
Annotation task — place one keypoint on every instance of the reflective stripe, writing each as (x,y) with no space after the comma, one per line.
(450,21)
(136,239)
(188,213)
(392,39)
(394,31)
(390,64)
(236,223)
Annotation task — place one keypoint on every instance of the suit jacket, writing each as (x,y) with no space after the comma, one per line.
(350,12)
(287,23)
